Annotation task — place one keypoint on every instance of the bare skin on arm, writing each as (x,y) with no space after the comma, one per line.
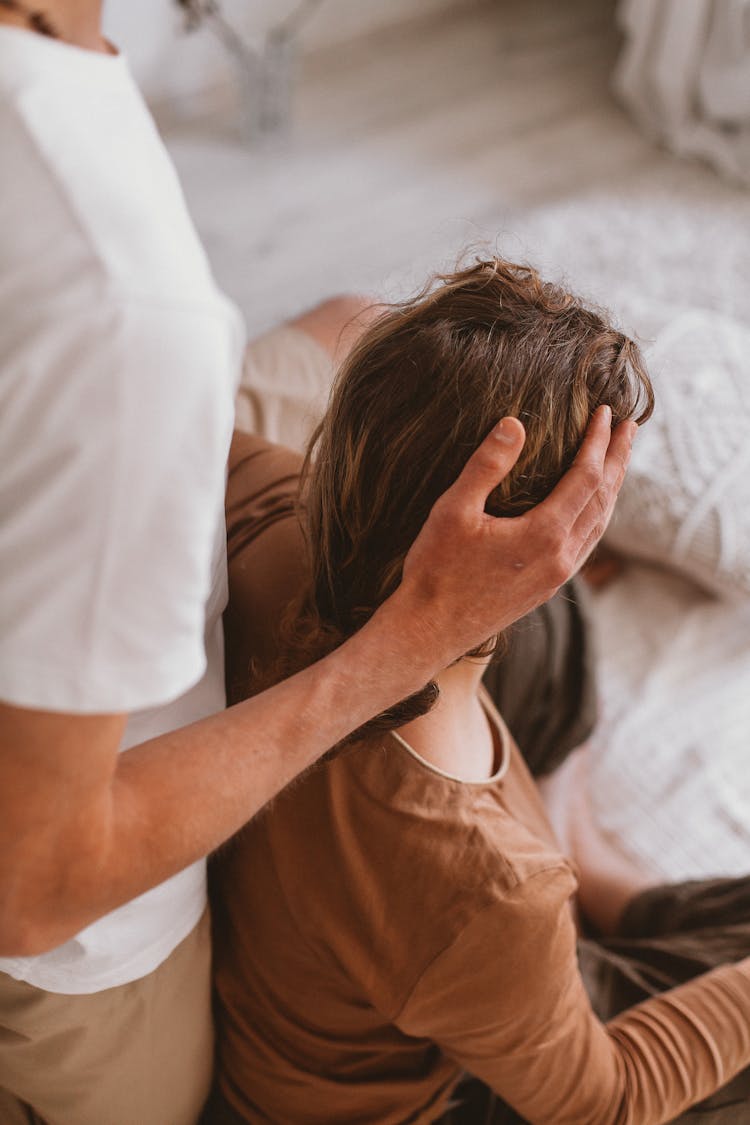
(84,830)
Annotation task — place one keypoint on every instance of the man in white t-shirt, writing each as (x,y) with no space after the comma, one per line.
(119,360)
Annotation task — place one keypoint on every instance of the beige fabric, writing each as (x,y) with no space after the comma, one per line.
(284,388)
(13,1112)
(139,1054)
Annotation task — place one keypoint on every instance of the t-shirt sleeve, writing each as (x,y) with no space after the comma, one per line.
(267,560)
(115,428)
(507,1002)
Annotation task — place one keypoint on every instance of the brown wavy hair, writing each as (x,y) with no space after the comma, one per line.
(421,389)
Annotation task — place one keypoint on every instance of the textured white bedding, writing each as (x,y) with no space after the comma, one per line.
(668,769)
(667,772)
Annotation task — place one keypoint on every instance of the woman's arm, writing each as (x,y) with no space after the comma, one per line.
(507,1001)
(266,554)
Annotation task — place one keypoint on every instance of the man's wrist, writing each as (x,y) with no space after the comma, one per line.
(407,635)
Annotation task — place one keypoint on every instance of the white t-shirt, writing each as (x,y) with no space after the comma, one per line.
(119,360)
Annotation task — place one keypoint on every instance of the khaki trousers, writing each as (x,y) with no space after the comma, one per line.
(139,1054)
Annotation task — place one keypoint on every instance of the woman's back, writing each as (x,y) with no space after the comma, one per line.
(347,909)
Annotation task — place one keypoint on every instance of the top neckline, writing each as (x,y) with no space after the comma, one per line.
(498,727)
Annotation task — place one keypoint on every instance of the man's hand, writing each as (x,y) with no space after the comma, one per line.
(469,575)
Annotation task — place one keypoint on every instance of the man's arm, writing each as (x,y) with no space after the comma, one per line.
(84,829)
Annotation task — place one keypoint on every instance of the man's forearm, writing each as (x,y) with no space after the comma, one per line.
(177,797)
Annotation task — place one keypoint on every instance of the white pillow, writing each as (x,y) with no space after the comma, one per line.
(685,502)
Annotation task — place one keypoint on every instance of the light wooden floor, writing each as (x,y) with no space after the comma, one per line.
(494,124)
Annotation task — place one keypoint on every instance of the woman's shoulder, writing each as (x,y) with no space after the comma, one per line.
(389,822)
(380,864)
(376,806)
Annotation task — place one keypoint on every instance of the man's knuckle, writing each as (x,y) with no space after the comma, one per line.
(561,570)
(591,474)
(450,520)
(604,500)
(560,565)
(557,542)
(598,530)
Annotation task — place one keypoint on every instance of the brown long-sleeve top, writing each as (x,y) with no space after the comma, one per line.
(383,926)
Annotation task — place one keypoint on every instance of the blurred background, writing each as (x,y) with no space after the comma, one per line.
(399,132)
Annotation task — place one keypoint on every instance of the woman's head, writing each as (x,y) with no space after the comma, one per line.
(423,387)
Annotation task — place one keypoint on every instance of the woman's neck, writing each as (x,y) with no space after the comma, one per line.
(456,735)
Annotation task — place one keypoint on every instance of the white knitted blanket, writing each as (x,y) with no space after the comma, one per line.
(686,500)
(669,765)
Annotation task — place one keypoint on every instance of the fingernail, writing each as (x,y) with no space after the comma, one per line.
(607,411)
(504,432)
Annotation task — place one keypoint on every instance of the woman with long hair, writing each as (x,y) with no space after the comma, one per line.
(401,917)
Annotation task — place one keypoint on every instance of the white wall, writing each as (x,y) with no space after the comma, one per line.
(169,63)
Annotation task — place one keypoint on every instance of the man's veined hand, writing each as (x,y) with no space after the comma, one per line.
(470,575)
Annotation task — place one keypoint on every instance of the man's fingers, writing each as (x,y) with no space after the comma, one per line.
(618,455)
(584,478)
(488,465)
(592,521)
